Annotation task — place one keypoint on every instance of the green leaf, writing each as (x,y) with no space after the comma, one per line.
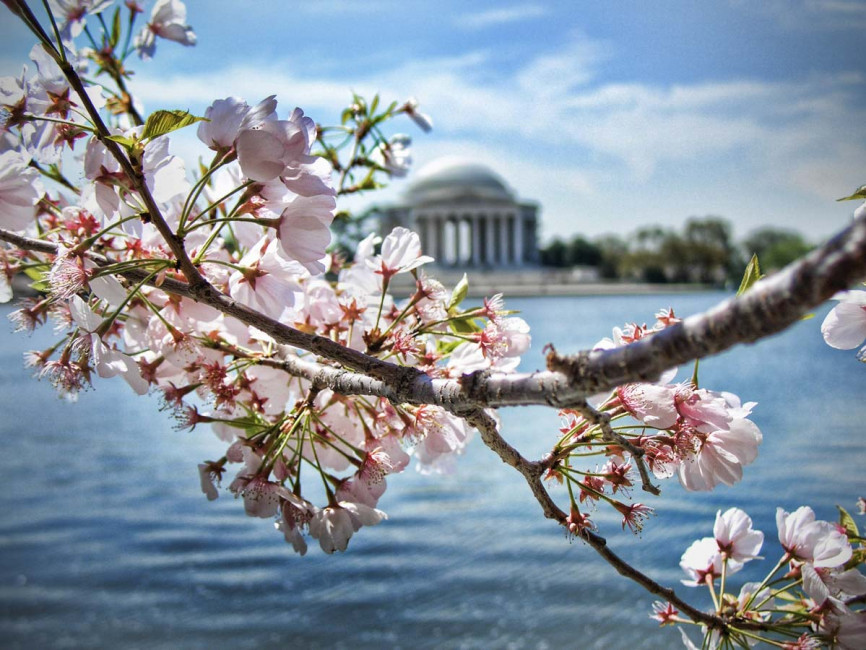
(752,275)
(847,522)
(374,105)
(40,285)
(467,325)
(459,292)
(447,347)
(127,143)
(859,195)
(115,28)
(35,274)
(162,122)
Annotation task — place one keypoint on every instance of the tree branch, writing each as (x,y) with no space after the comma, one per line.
(532,471)
(768,307)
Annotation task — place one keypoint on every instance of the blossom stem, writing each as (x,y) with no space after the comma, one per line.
(331,498)
(55,175)
(782,561)
(50,13)
(708,580)
(385,282)
(722,582)
(129,296)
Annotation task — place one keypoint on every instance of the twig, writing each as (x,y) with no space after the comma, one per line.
(602,421)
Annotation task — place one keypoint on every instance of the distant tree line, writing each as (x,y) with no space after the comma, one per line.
(703,251)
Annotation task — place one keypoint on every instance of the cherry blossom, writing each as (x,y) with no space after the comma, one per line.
(719,456)
(20,189)
(735,537)
(334,526)
(226,118)
(107,362)
(395,155)
(274,147)
(818,542)
(421,119)
(266,281)
(702,560)
(650,403)
(401,253)
(168,21)
(73,13)
(844,327)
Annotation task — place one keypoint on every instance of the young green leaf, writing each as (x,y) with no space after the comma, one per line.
(122,140)
(752,275)
(115,28)
(459,292)
(162,122)
(847,522)
(859,195)
(466,325)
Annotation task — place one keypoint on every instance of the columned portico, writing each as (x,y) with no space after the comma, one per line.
(466,217)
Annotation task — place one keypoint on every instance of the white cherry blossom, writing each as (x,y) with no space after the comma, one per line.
(20,190)
(168,21)
(844,327)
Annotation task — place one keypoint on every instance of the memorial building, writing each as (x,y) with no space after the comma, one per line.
(467,217)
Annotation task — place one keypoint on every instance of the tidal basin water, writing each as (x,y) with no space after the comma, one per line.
(106,540)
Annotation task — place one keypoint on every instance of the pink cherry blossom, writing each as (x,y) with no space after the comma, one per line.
(268,282)
(401,253)
(266,151)
(394,155)
(303,230)
(650,403)
(734,535)
(720,456)
(227,117)
(818,542)
(421,119)
(334,526)
(664,613)
(107,362)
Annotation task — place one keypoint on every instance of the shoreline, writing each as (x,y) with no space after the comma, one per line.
(535,282)
(517,284)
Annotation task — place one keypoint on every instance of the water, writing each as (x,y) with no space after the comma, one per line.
(106,540)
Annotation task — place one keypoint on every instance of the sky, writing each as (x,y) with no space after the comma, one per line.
(612,115)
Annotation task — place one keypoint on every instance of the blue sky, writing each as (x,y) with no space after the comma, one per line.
(612,115)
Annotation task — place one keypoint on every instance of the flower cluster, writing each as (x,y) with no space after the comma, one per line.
(126,246)
(702,436)
(808,600)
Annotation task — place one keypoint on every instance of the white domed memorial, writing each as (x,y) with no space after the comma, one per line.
(467,217)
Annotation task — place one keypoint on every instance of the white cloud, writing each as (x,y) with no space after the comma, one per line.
(624,151)
(505,15)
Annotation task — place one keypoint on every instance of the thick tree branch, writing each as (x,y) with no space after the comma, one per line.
(767,308)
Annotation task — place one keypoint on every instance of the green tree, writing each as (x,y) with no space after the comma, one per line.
(555,254)
(582,252)
(775,247)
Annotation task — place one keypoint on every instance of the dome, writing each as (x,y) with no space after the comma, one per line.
(450,178)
